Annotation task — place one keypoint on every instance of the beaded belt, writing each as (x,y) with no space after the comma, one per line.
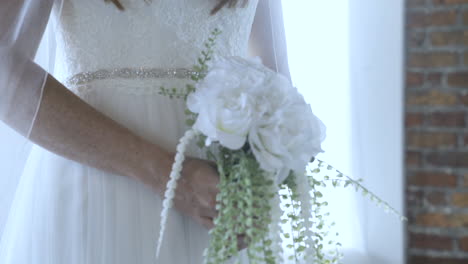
(130,73)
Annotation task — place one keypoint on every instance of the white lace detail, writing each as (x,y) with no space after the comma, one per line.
(94,35)
(234,22)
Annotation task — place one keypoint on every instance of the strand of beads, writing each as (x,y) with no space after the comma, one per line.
(172,183)
(275,225)
(306,207)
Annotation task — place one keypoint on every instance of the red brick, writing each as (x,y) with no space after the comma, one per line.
(449,119)
(415,3)
(454,159)
(459,220)
(413,159)
(438,18)
(434,78)
(417,19)
(449,38)
(458,79)
(437,198)
(414,79)
(414,198)
(450,2)
(463,243)
(435,260)
(416,38)
(426,241)
(414,119)
(435,179)
(432,59)
(442,220)
(431,139)
(432,97)
(464,99)
(434,220)
(460,199)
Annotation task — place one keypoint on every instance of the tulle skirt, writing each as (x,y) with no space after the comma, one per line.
(66,212)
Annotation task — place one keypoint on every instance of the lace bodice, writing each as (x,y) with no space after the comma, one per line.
(94,35)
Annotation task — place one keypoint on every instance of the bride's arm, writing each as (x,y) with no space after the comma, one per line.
(37,106)
(43,110)
(68,126)
(268,38)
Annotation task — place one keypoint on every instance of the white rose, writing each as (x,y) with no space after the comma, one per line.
(287,134)
(225,102)
(240,98)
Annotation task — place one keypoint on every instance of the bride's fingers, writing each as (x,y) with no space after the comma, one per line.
(207,222)
(208,212)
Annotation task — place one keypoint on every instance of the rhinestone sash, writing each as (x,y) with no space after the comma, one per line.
(130,73)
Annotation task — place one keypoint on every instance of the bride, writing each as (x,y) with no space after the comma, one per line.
(104,138)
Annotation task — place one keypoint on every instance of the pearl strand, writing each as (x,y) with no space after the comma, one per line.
(275,225)
(172,184)
(306,206)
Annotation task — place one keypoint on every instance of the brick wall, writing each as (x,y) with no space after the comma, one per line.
(436,131)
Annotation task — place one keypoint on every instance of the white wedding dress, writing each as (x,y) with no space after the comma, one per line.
(66,212)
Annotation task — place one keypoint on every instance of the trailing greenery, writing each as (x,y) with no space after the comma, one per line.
(199,72)
(338,179)
(245,193)
(290,199)
(322,227)
(243,209)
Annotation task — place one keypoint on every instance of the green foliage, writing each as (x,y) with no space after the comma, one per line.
(245,192)
(199,72)
(243,209)
(202,67)
(290,199)
(340,180)
(172,92)
(321,225)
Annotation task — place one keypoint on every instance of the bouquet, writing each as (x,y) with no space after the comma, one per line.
(263,137)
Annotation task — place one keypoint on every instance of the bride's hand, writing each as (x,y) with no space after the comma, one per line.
(197,188)
(196,191)
(195,194)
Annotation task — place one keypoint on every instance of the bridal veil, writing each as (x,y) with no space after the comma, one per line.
(27,56)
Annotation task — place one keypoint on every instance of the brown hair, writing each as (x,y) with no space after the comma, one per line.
(221,4)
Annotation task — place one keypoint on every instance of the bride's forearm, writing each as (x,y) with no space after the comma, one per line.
(69,127)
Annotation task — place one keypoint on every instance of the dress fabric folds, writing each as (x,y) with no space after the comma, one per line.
(61,211)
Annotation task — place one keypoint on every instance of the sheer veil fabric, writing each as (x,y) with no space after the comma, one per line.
(22,26)
(28,54)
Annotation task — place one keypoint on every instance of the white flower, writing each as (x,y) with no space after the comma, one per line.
(241,99)
(287,134)
(224,100)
